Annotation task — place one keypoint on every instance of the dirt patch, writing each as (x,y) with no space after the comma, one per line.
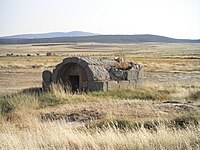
(163,78)
(84,115)
(11,81)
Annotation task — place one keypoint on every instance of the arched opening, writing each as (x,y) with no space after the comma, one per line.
(73,75)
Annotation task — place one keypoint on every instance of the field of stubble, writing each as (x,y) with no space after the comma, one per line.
(164,113)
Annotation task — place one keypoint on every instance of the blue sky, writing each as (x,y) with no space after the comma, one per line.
(172,18)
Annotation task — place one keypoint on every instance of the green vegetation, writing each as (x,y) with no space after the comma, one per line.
(185,121)
(137,93)
(35,98)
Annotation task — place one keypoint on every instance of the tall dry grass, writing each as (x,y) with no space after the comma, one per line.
(60,135)
(126,119)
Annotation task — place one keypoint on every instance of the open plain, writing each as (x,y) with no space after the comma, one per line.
(163,113)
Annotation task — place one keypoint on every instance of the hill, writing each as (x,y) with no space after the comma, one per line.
(99,39)
(50,35)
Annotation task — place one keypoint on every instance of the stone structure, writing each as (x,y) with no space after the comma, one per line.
(93,74)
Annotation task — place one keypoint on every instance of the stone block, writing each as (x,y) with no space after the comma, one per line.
(112,85)
(124,84)
(97,86)
(132,74)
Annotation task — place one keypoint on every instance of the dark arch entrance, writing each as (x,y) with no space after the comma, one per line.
(73,76)
(74,82)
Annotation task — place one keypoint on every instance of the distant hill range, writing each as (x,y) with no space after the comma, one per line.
(50,35)
(78,36)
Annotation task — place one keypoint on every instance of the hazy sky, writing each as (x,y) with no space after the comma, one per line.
(173,18)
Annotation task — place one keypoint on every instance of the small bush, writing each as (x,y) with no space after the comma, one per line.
(151,125)
(18,102)
(6,107)
(183,122)
(194,96)
(49,99)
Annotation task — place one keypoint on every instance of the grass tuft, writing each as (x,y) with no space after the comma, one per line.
(120,124)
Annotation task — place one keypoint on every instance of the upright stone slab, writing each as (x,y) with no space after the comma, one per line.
(47,80)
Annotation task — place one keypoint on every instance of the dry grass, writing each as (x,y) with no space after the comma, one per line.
(118,119)
(60,135)
(165,64)
(24,72)
(59,120)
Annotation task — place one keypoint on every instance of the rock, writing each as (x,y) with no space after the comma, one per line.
(47,80)
(117,74)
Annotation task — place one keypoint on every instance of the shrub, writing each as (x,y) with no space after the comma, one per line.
(194,95)
(183,122)
(18,102)
(49,99)
(151,125)
(6,107)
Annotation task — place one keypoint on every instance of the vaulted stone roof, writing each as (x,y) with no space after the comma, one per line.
(97,68)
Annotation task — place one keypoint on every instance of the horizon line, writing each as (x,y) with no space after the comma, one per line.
(95,34)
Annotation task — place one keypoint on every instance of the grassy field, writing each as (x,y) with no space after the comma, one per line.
(164,113)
